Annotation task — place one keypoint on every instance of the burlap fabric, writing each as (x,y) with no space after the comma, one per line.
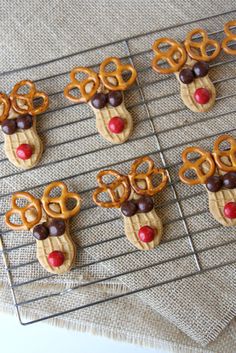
(200,306)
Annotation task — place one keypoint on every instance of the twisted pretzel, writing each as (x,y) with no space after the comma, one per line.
(230,154)
(111,189)
(32,203)
(5,105)
(230,36)
(136,177)
(64,213)
(121,84)
(175,56)
(92,78)
(198,50)
(28,99)
(196,166)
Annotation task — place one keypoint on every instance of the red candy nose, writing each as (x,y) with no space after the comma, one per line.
(202,95)
(146,234)
(56,258)
(116,125)
(230,210)
(24,151)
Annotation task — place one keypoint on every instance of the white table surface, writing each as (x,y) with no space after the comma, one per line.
(44,338)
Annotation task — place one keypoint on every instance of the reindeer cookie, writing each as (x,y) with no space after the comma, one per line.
(104,93)
(189,62)
(133,193)
(217,170)
(230,37)
(47,219)
(23,146)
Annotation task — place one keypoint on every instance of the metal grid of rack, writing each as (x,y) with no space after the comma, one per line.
(153,102)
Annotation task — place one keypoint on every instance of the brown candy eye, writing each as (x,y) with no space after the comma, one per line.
(24,122)
(200,69)
(145,204)
(57,227)
(41,232)
(186,76)
(129,208)
(99,100)
(214,183)
(115,98)
(9,126)
(229,180)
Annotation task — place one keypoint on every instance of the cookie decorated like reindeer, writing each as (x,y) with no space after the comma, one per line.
(189,62)
(104,93)
(47,219)
(217,170)
(133,193)
(23,146)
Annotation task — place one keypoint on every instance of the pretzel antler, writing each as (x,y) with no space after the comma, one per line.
(5,105)
(175,56)
(135,177)
(116,74)
(198,50)
(117,198)
(230,154)
(61,200)
(230,36)
(197,165)
(32,204)
(91,80)
(28,99)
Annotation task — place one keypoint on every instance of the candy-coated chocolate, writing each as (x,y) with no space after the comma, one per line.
(200,69)
(99,100)
(186,76)
(56,258)
(230,210)
(24,122)
(129,208)
(57,227)
(214,183)
(9,126)
(24,151)
(115,98)
(116,125)
(41,232)
(145,204)
(146,234)
(202,95)
(229,180)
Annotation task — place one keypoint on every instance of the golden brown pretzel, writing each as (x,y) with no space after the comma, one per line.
(92,78)
(230,154)
(175,56)
(33,203)
(5,104)
(28,99)
(196,165)
(230,36)
(198,50)
(116,74)
(116,198)
(61,200)
(147,176)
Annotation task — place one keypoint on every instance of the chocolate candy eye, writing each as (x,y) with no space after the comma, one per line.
(214,183)
(145,204)
(24,122)
(115,98)
(200,69)
(186,76)
(129,208)
(9,126)
(229,180)
(57,227)
(41,232)
(99,100)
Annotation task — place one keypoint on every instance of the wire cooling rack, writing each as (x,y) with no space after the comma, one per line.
(163,128)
